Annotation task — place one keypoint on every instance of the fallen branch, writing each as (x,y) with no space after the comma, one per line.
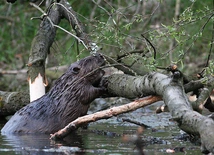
(135,122)
(172,90)
(12,101)
(104,115)
(22,71)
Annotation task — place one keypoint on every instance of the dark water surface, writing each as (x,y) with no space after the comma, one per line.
(104,137)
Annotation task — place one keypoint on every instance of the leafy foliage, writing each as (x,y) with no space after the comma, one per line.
(116,26)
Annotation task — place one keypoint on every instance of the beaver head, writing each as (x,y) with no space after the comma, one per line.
(67,100)
(88,69)
(80,80)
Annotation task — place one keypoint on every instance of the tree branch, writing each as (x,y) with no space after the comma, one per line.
(12,102)
(70,15)
(104,115)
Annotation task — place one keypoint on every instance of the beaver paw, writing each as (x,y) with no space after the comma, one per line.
(104,82)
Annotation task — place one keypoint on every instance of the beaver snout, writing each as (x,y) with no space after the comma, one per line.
(98,78)
(101,59)
(99,73)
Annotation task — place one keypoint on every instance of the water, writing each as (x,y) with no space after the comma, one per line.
(99,138)
(105,137)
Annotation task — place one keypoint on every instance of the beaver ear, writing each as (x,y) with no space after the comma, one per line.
(75,70)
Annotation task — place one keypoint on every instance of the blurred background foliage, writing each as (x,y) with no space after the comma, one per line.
(180,30)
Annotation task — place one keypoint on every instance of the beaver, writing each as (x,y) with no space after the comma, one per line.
(68,99)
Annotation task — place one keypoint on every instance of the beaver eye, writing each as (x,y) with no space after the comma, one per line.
(75,70)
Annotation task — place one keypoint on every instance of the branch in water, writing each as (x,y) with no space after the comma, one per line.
(104,115)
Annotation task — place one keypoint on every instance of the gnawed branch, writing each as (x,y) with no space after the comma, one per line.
(104,115)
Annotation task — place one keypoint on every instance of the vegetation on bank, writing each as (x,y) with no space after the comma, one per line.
(181,32)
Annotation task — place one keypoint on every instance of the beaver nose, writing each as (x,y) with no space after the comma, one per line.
(101,56)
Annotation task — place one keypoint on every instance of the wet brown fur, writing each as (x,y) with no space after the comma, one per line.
(67,100)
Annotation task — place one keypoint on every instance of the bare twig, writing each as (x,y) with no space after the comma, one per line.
(93,10)
(211,46)
(132,52)
(135,122)
(176,17)
(23,71)
(119,66)
(150,45)
(97,3)
(200,31)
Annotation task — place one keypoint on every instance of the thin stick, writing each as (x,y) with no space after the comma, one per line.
(150,45)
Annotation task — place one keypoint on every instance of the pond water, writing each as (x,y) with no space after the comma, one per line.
(103,137)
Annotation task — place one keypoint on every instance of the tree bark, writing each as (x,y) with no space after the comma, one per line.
(170,88)
(45,37)
(12,101)
(40,48)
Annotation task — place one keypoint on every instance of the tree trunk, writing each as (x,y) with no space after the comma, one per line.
(39,50)
(44,39)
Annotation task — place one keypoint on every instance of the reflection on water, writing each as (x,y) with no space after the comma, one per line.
(82,142)
(99,138)
(39,145)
